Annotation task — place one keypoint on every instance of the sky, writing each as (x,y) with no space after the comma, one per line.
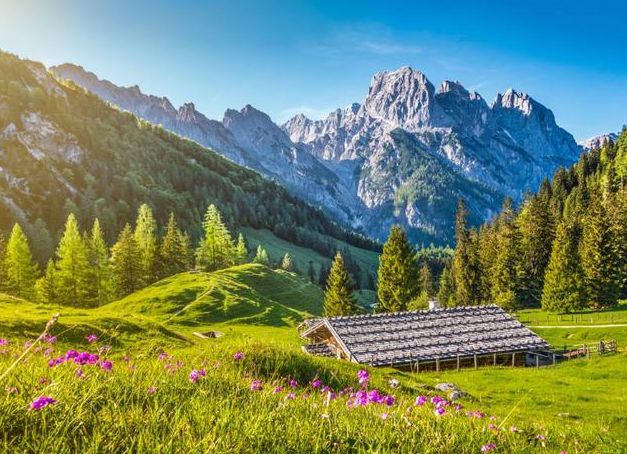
(288,57)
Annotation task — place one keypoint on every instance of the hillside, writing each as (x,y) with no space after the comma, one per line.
(66,147)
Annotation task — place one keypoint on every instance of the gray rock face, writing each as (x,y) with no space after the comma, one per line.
(404,155)
(598,141)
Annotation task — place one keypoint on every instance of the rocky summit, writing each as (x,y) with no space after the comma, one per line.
(405,155)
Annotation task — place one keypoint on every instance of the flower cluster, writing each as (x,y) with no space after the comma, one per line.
(196,375)
(41,402)
(92,338)
(82,358)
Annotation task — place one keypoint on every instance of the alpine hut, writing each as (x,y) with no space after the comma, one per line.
(419,340)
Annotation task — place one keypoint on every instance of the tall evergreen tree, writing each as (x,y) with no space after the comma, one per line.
(505,272)
(446,291)
(101,280)
(241,251)
(126,263)
(465,271)
(426,280)
(398,281)
(564,287)
(338,296)
(46,290)
(286,263)
(20,269)
(216,249)
(261,256)
(173,251)
(617,207)
(146,239)
(73,266)
(597,256)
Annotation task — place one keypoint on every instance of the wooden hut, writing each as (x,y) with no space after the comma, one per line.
(419,340)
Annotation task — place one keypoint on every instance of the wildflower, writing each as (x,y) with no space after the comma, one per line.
(384,416)
(514,429)
(488,447)
(104,349)
(44,380)
(363,376)
(238,356)
(42,402)
(106,365)
(540,437)
(27,345)
(439,411)
(92,338)
(289,396)
(493,427)
(71,354)
(325,389)
(151,390)
(293,383)
(458,407)
(196,375)
(256,385)
(163,356)
(394,383)
(316,383)
(4,341)
(493,418)
(277,389)
(80,373)
(420,400)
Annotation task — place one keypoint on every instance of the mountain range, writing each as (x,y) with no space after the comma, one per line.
(404,155)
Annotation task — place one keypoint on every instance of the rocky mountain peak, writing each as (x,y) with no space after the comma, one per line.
(512,99)
(187,113)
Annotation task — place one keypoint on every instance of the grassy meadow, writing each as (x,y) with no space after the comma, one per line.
(153,396)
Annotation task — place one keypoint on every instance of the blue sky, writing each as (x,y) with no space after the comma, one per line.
(286,57)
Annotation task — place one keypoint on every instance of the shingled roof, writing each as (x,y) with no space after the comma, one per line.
(405,337)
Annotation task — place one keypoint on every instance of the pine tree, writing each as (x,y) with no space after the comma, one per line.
(72,266)
(564,288)
(241,251)
(21,271)
(338,296)
(3,274)
(505,271)
(446,292)
(101,278)
(216,249)
(46,290)
(126,263)
(617,207)
(597,256)
(261,256)
(465,272)
(146,239)
(172,253)
(398,282)
(286,263)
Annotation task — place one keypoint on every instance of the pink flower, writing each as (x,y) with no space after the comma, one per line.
(49,339)
(439,411)
(420,401)
(316,383)
(41,402)
(4,341)
(256,385)
(293,383)
(163,356)
(91,338)
(196,375)
(488,447)
(514,429)
(384,416)
(493,427)
(290,396)
(238,356)
(106,365)
(151,390)
(363,376)
(540,437)
(80,373)
(277,389)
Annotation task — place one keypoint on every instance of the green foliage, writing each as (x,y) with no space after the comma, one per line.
(72,275)
(20,269)
(426,281)
(286,263)
(261,256)
(241,251)
(216,249)
(101,279)
(398,283)
(146,239)
(174,252)
(46,287)
(446,290)
(465,270)
(338,296)
(126,263)
(505,270)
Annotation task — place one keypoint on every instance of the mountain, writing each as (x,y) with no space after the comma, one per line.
(64,150)
(404,155)
(598,141)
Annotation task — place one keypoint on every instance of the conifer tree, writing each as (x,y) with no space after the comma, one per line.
(101,278)
(146,239)
(564,288)
(73,268)
(3,274)
(286,263)
(465,272)
(398,281)
(173,251)
(46,290)
(20,269)
(617,207)
(446,291)
(505,272)
(426,280)
(597,256)
(126,263)
(338,296)
(261,256)
(311,273)
(486,256)
(216,249)
(241,251)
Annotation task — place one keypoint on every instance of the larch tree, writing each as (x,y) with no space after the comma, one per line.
(172,253)
(46,289)
(101,275)
(73,266)
(261,256)
(398,283)
(241,250)
(286,263)
(20,269)
(216,249)
(465,271)
(338,296)
(146,239)
(564,287)
(126,264)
